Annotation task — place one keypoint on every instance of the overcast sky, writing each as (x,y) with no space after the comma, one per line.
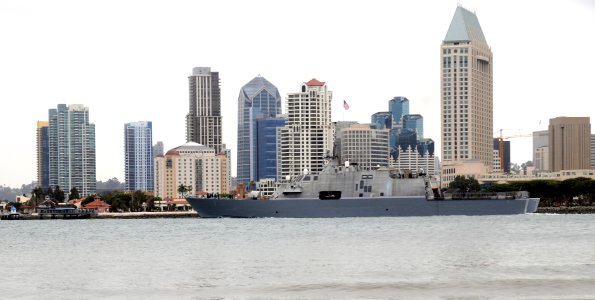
(129,61)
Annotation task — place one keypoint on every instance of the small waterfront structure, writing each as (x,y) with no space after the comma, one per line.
(98,205)
(66,213)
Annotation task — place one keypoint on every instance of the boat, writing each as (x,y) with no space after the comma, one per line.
(351,191)
(10,216)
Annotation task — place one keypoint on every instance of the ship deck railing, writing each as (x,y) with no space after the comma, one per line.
(485,196)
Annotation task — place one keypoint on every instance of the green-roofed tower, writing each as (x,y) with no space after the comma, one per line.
(466,103)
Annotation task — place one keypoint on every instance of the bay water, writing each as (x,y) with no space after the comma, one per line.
(533,256)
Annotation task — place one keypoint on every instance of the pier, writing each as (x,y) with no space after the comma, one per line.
(66,213)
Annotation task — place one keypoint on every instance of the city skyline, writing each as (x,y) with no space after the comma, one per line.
(140,66)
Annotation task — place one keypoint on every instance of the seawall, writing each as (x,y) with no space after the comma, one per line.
(566,210)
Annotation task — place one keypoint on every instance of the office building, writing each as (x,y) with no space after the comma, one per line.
(542,159)
(415,123)
(266,143)
(203,121)
(504,158)
(398,107)
(258,99)
(366,146)
(158,149)
(411,159)
(593,151)
(138,156)
(72,149)
(307,139)
(382,120)
(43,154)
(569,143)
(195,166)
(337,127)
(540,139)
(466,104)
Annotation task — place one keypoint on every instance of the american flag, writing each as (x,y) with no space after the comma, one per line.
(345,105)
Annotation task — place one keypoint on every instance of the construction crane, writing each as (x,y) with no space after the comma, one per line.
(501,144)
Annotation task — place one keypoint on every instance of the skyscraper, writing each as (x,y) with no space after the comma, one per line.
(504,164)
(43,155)
(158,149)
(398,106)
(258,99)
(266,143)
(593,151)
(138,156)
(415,123)
(308,136)
(466,104)
(570,143)
(72,149)
(382,120)
(364,145)
(203,121)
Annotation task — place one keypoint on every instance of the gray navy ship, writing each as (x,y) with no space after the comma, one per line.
(349,191)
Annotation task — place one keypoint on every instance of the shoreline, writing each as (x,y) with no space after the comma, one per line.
(561,210)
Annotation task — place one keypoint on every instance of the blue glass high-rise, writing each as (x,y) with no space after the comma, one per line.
(398,106)
(266,133)
(258,98)
(138,156)
(382,120)
(416,123)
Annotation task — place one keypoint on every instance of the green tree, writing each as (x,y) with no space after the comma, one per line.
(138,198)
(74,194)
(36,196)
(49,192)
(464,184)
(58,194)
(184,189)
(87,200)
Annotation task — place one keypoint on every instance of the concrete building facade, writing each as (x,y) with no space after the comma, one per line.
(158,149)
(593,151)
(466,104)
(43,154)
(203,121)
(366,146)
(542,159)
(193,165)
(411,159)
(307,139)
(569,143)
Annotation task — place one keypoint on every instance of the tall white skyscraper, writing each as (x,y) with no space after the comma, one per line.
(138,156)
(72,149)
(466,95)
(308,136)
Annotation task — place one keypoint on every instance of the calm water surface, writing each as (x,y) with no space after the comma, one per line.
(499,257)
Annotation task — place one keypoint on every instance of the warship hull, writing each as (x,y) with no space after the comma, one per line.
(358,207)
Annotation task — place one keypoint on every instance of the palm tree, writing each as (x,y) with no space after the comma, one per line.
(184,189)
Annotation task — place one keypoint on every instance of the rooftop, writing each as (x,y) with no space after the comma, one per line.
(464,27)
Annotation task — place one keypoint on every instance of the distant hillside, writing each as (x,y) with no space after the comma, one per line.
(8,193)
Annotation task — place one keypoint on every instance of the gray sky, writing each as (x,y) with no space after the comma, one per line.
(129,61)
